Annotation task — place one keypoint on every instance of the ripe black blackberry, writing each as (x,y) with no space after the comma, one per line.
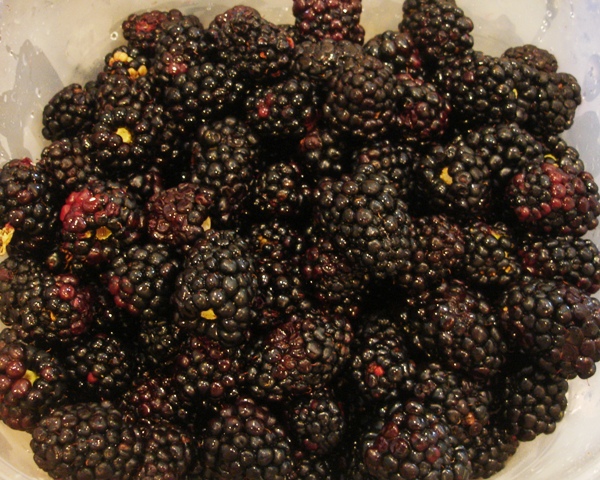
(69,112)
(322,60)
(224,157)
(491,259)
(323,153)
(504,148)
(360,100)
(69,161)
(216,289)
(317,422)
(85,440)
(490,451)
(365,217)
(242,39)
(244,440)
(166,450)
(393,159)
(439,251)
(485,89)
(554,323)
(178,216)
(534,56)
(334,281)
(381,365)
(299,356)
(32,382)
(152,395)
(532,401)
(287,109)
(558,96)
(120,90)
(408,441)
(277,249)
(397,49)
(464,404)
(20,280)
(101,366)
(278,191)
(98,221)
(453,178)
(338,20)
(204,372)
(141,278)
(422,112)
(143,30)
(29,206)
(457,326)
(439,29)
(547,198)
(574,260)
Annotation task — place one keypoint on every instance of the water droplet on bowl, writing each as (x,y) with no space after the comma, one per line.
(114,36)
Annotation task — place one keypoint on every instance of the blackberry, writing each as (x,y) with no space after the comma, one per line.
(241,38)
(119,90)
(532,401)
(28,206)
(70,162)
(454,179)
(98,221)
(411,441)
(124,138)
(320,61)
(20,280)
(547,198)
(277,249)
(279,191)
(287,109)
(465,405)
(491,258)
(553,322)
(322,153)
(394,160)
(69,112)
(140,279)
(143,30)
(178,216)
(381,365)
(422,112)
(534,56)
(301,355)
(505,148)
(574,260)
(205,372)
(332,279)
(85,440)
(365,218)
(224,157)
(360,100)
(167,450)
(439,29)
(152,396)
(338,20)
(32,381)
(214,293)
(490,451)
(102,366)
(317,423)
(485,89)
(558,96)
(397,49)
(457,325)
(244,440)
(439,251)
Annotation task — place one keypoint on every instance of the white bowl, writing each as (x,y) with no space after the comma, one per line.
(45,45)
